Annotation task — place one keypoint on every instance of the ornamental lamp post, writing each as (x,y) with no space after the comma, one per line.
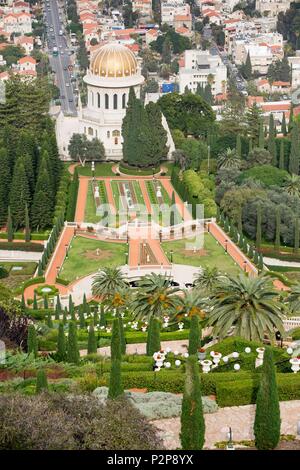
(171,256)
(226,243)
(245,266)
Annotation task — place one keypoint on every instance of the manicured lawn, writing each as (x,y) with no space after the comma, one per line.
(138,193)
(83,258)
(101,169)
(116,193)
(211,255)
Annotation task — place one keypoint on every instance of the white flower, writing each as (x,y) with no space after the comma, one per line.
(177,363)
(247,350)
(236,367)
(186,354)
(289,350)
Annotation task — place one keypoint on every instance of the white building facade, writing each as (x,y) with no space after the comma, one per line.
(199,68)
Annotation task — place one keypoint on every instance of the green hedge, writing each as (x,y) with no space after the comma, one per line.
(30,282)
(139,337)
(137,171)
(39,314)
(63,282)
(17,246)
(243,392)
(72,197)
(21,236)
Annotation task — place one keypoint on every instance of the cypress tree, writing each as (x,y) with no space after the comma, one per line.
(283,125)
(84,304)
(250,252)
(261,136)
(239,146)
(58,304)
(291,119)
(4,184)
(281,155)
(192,420)
(46,305)
(102,317)
(96,317)
(258,227)
(260,262)
(72,350)
(57,312)
(271,140)
(27,228)
(71,308)
(115,345)
(172,213)
(81,317)
(92,342)
(61,343)
(32,345)
(49,320)
(296,235)
(245,246)
(35,304)
(122,336)
(65,316)
(10,233)
(194,335)
(248,68)
(295,151)
(153,337)
(41,381)
(277,229)
(256,258)
(115,389)
(267,415)
(40,269)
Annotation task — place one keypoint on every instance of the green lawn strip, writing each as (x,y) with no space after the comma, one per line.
(27,268)
(138,193)
(101,169)
(90,207)
(116,193)
(282,269)
(82,259)
(214,255)
(151,192)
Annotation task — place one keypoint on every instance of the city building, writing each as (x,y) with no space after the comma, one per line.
(294,63)
(172,8)
(272,8)
(201,67)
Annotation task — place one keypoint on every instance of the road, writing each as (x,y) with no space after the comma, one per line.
(60,64)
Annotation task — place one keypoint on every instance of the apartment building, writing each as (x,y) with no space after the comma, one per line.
(172,8)
(271,8)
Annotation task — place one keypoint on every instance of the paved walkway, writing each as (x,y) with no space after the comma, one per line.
(140,348)
(239,418)
(81,199)
(279,262)
(17,256)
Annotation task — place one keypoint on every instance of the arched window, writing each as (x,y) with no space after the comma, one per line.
(116,133)
(115,101)
(108,134)
(116,140)
(98,97)
(90,131)
(106,101)
(124,100)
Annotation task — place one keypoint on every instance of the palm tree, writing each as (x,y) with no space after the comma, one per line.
(208,278)
(251,305)
(293,299)
(155,297)
(193,302)
(292,185)
(108,282)
(229,159)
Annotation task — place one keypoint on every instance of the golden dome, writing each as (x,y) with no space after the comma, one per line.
(113,61)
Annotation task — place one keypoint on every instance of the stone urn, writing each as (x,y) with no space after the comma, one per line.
(201,354)
(216,357)
(295,361)
(206,365)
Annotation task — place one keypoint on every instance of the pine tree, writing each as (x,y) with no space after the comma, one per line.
(248,68)
(35,304)
(115,345)
(46,304)
(267,415)
(32,344)
(238,146)
(10,232)
(277,229)
(283,125)
(19,194)
(4,184)
(41,381)
(271,140)
(27,228)
(296,235)
(72,350)
(192,420)
(281,155)
(92,341)
(122,336)
(295,151)
(258,227)
(194,335)
(115,389)
(61,343)
(153,337)
(42,205)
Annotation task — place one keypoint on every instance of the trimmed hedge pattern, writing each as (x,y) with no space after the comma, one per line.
(18,246)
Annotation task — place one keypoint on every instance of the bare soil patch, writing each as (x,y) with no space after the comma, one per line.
(97,255)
